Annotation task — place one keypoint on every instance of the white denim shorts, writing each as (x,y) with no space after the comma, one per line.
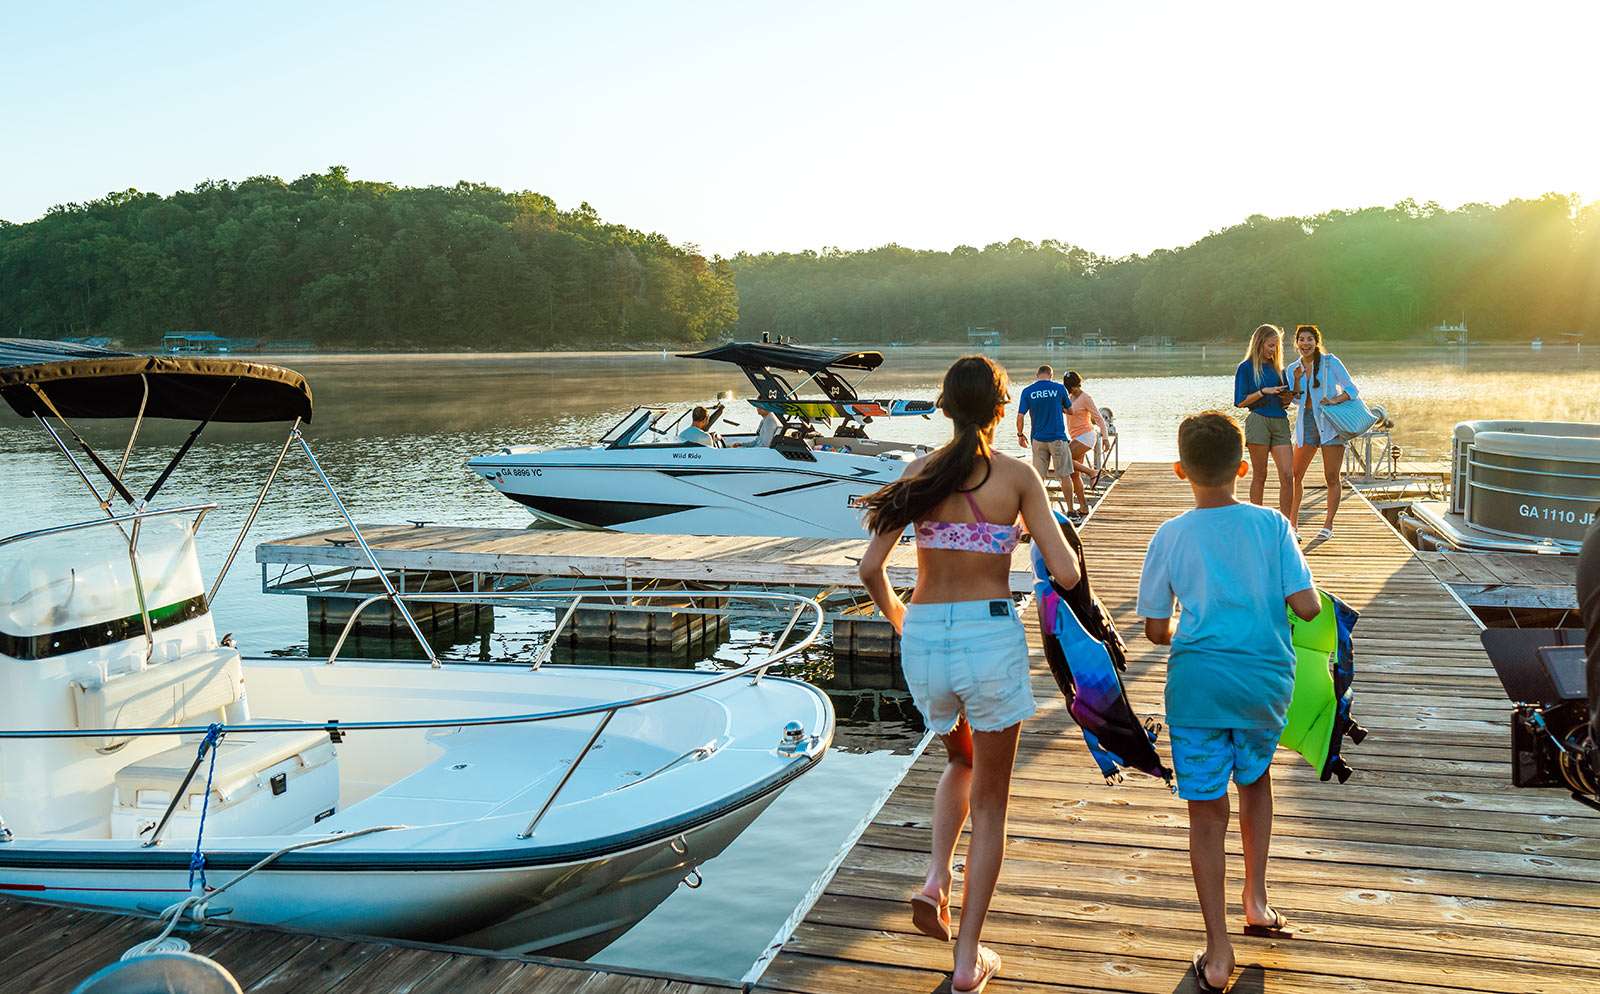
(967,657)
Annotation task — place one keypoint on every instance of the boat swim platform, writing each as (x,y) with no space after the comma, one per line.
(1508,579)
(1426,873)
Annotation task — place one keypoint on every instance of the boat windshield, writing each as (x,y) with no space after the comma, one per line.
(628,430)
(62,591)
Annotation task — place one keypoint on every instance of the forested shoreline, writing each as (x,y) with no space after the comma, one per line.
(1522,269)
(349,264)
(357,265)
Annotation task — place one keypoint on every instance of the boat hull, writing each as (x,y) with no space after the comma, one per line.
(431,840)
(572,909)
(693,490)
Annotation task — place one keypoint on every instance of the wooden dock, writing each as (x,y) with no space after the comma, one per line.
(50,949)
(1426,873)
(641,560)
(1507,579)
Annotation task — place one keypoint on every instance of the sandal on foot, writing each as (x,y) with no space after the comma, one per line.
(1201,984)
(1277,929)
(1324,535)
(930,917)
(988,969)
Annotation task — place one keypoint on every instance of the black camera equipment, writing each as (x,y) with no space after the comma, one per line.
(1552,745)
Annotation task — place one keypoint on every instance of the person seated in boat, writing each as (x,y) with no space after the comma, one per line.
(766,431)
(699,431)
(963,649)
(1231,567)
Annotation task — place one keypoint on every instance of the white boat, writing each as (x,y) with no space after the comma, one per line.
(146,765)
(639,477)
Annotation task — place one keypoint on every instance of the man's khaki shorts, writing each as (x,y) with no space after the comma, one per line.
(1052,459)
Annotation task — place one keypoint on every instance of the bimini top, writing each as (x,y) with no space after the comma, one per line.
(82,381)
(791,357)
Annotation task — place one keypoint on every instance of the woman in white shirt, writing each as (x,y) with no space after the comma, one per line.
(1317,379)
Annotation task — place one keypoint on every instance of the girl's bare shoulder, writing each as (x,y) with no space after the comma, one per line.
(1013,470)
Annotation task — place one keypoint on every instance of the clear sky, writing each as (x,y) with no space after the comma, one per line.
(1119,126)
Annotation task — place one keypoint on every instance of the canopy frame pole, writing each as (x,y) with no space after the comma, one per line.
(188,443)
(172,464)
(88,450)
(138,590)
(138,421)
(250,519)
(133,538)
(105,504)
(366,550)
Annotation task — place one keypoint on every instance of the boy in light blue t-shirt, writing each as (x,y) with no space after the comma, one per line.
(1231,567)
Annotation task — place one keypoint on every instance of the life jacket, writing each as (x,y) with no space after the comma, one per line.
(1319,713)
(1087,657)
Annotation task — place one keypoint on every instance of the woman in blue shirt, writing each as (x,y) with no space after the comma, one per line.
(1317,380)
(1259,387)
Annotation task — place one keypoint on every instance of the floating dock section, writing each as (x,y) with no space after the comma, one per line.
(329,570)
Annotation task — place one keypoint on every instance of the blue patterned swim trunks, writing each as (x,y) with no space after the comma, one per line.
(1204,758)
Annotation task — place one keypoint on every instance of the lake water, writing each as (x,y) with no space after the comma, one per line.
(392,434)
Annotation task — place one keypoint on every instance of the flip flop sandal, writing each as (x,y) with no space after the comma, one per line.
(1277,930)
(1324,534)
(988,969)
(930,917)
(1201,984)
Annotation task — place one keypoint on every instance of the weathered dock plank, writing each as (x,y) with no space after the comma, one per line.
(1426,873)
(50,949)
(1507,579)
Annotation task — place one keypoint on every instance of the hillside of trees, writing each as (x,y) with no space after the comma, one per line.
(1525,268)
(349,264)
(353,264)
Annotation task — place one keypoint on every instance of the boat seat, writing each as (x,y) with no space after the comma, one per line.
(185,690)
(262,783)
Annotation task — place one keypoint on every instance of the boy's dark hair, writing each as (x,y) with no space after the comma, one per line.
(1045,372)
(1210,446)
(698,414)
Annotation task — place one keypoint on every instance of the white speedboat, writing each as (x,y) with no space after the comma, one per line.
(639,477)
(146,765)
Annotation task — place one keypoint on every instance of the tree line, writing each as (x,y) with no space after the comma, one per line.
(350,264)
(1522,269)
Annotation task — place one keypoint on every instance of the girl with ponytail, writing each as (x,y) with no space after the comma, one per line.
(962,646)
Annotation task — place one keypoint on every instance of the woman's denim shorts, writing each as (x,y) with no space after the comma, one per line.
(967,657)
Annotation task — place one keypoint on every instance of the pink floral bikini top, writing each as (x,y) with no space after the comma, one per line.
(968,536)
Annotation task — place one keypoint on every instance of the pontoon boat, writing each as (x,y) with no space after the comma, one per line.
(146,765)
(640,477)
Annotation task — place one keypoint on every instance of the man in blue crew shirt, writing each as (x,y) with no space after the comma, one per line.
(1046,400)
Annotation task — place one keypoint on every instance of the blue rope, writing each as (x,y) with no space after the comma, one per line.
(197,861)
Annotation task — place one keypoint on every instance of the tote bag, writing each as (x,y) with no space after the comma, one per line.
(1351,418)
